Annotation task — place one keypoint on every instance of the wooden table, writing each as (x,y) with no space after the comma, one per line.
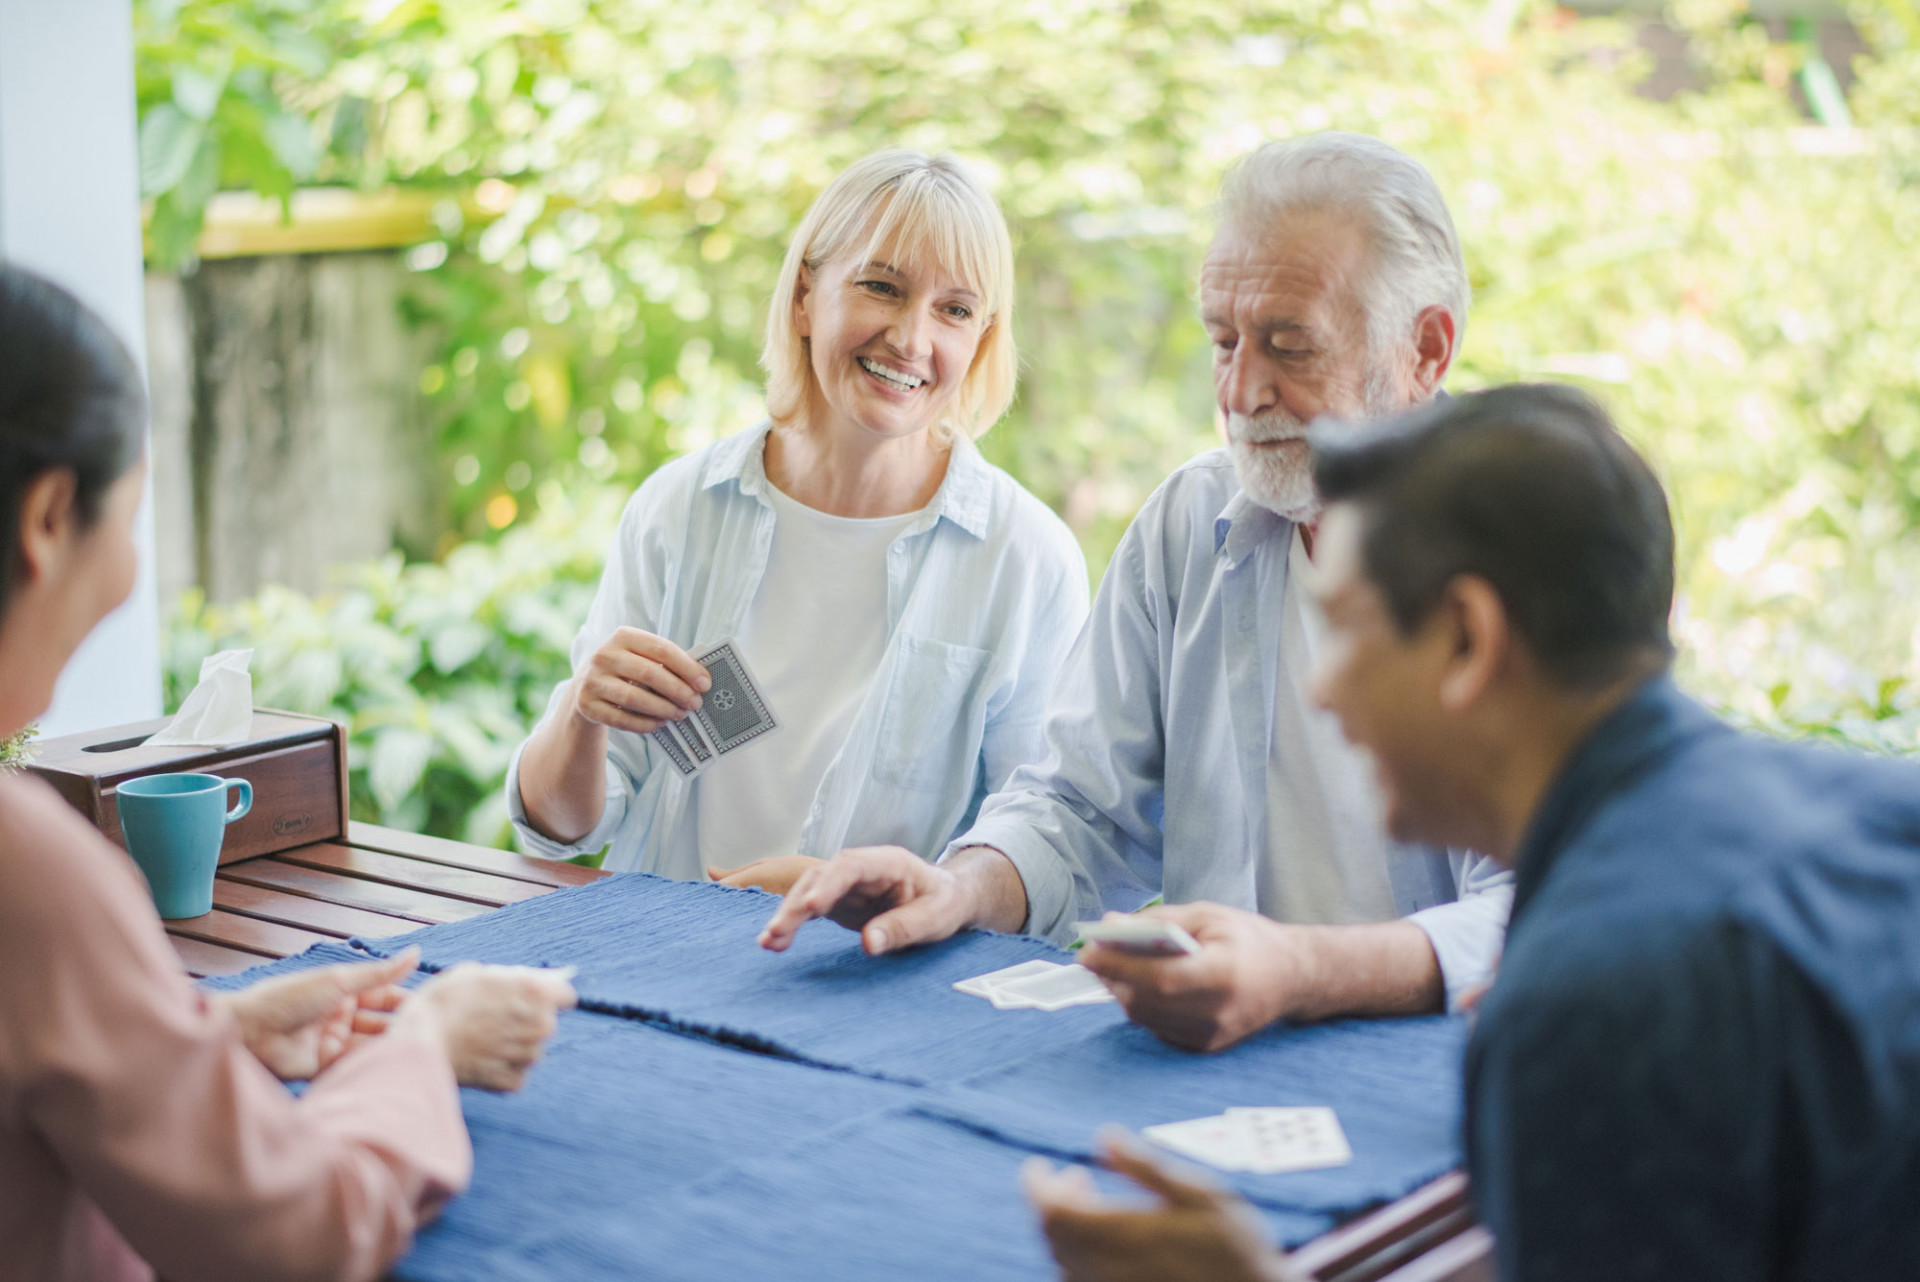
(380,881)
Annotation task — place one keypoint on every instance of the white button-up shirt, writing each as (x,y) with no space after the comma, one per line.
(1162,736)
(985,593)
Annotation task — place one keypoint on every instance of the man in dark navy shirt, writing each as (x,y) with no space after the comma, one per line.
(1701,1059)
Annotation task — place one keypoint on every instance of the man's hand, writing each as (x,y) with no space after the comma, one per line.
(1240,981)
(776,873)
(299,1024)
(892,896)
(1198,1232)
(637,681)
(492,1020)
(1251,970)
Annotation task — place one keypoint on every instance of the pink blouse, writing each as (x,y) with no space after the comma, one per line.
(137,1132)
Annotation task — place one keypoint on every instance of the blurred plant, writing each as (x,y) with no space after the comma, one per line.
(437,670)
(17,749)
(624,174)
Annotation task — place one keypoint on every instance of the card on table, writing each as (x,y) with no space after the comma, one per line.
(732,714)
(1037,985)
(1261,1141)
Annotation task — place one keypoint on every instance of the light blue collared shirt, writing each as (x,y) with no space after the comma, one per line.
(985,593)
(1161,733)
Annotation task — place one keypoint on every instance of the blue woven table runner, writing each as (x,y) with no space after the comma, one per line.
(882,1135)
(1394,1084)
(895,1196)
(683,953)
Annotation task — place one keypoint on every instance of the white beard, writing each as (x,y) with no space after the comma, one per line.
(1277,477)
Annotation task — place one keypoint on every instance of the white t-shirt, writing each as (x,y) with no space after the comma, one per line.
(1326,841)
(814,637)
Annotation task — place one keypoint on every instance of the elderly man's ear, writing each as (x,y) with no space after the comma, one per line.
(1433,337)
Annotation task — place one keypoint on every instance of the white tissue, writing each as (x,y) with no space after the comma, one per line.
(218,711)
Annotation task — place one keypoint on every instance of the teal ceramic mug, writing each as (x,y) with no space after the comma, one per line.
(174,826)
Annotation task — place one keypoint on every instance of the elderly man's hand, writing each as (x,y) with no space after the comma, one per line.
(776,873)
(299,1024)
(492,1020)
(892,896)
(1245,976)
(1198,1232)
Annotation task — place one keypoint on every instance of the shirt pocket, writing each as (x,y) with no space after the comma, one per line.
(935,716)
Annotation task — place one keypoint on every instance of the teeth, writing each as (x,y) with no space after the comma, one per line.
(905,382)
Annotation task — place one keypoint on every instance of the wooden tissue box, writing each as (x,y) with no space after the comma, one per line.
(296,764)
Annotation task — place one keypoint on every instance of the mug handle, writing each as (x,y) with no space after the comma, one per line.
(246,799)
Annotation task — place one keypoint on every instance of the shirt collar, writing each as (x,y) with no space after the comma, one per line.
(1648,725)
(1244,525)
(965,497)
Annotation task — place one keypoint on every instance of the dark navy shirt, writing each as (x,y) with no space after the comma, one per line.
(1702,1057)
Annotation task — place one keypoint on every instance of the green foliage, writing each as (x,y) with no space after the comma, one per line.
(17,749)
(437,670)
(1724,273)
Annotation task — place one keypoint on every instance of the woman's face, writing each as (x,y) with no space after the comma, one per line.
(889,344)
(73,577)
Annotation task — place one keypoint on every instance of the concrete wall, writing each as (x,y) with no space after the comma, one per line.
(287,431)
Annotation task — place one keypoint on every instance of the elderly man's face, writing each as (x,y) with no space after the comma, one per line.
(1285,307)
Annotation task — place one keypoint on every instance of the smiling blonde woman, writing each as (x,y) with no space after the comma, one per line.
(903,603)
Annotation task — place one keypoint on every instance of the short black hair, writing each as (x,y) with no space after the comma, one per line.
(1532,488)
(70,397)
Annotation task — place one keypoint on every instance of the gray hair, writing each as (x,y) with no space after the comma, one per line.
(1417,262)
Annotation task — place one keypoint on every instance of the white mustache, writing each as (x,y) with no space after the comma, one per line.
(1264,430)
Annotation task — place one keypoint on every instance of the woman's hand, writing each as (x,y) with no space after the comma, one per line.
(776,873)
(637,681)
(492,1020)
(299,1024)
(1197,1230)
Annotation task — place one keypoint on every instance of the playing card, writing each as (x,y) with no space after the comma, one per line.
(1055,989)
(982,985)
(1219,1141)
(1292,1139)
(732,712)
(1141,936)
(676,751)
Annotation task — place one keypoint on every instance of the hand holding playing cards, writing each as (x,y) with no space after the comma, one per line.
(1242,979)
(1197,1231)
(892,896)
(637,681)
(492,1020)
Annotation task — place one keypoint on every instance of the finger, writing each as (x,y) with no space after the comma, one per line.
(1119,1151)
(633,698)
(719,874)
(922,920)
(368,1023)
(1049,1189)
(643,672)
(388,998)
(819,889)
(669,656)
(1158,974)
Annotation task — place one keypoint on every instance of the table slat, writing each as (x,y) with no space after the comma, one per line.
(398,870)
(316,915)
(202,959)
(252,934)
(1373,1245)
(354,892)
(458,854)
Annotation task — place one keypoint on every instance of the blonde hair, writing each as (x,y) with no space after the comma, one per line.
(916,207)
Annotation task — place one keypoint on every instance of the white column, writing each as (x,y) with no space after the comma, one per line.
(70,210)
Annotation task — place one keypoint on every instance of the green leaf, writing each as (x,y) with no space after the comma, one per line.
(169,140)
(400,757)
(196,91)
(291,139)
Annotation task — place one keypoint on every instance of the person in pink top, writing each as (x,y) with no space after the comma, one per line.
(142,1125)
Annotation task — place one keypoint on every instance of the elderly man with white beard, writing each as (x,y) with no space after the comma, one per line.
(1184,757)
